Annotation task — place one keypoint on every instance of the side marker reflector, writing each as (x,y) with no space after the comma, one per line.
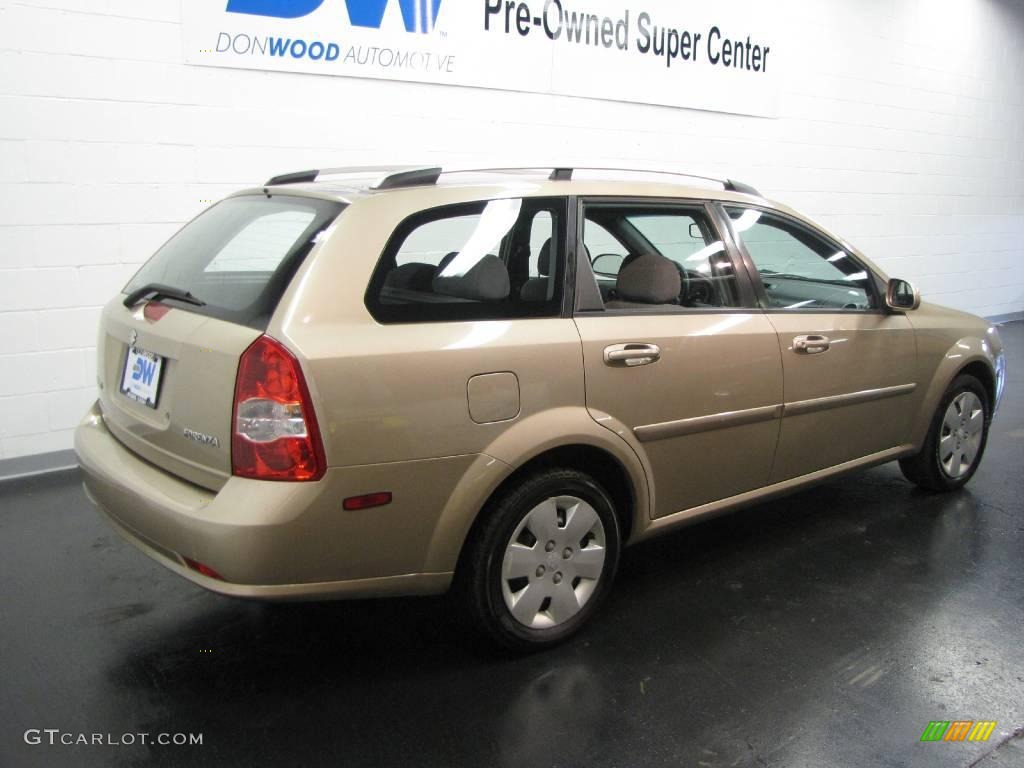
(202,568)
(367,501)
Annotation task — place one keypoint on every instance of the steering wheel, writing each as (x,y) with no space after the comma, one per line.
(697,288)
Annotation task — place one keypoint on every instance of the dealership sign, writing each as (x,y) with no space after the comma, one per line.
(720,55)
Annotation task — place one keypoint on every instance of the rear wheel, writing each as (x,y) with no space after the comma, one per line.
(956,440)
(542,560)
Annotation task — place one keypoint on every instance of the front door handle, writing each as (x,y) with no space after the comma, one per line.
(812,344)
(631,355)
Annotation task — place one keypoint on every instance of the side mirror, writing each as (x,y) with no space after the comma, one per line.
(607,264)
(902,296)
(695,233)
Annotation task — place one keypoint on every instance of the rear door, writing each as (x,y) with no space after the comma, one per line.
(849,366)
(696,380)
(167,363)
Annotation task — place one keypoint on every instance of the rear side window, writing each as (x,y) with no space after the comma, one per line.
(431,242)
(542,229)
(239,255)
(491,260)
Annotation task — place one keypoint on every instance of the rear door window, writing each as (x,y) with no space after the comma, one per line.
(605,252)
(238,256)
(678,238)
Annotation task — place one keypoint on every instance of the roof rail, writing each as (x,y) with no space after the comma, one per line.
(414,177)
(298,177)
(306,177)
(565,174)
(738,186)
(396,177)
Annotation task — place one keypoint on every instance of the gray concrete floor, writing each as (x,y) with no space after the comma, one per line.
(824,629)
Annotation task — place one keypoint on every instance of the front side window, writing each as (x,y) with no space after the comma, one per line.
(798,268)
(648,256)
(479,261)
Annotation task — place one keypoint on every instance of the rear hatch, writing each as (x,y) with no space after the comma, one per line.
(170,345)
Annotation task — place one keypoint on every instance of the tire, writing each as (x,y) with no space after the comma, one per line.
(956,439)
(526,581)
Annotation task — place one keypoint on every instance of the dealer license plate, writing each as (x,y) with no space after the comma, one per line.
(141,378)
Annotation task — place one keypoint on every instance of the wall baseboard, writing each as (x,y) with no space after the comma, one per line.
(37,464)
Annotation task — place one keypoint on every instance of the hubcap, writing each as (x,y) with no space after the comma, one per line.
(553,562)
(960,439)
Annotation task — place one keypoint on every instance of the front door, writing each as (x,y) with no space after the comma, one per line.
(849,365)
(675,352)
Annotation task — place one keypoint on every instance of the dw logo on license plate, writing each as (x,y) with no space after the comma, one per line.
(141,378)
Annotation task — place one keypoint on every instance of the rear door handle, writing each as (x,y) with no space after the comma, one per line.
(631,355)
(812,344)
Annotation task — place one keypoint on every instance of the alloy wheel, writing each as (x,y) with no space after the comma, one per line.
(960,439)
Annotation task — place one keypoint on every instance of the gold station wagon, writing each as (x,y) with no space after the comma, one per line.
(370,381)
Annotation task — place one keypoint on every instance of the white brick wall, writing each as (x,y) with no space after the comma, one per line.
(902,128)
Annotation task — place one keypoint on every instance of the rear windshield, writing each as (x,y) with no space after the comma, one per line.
(239,256)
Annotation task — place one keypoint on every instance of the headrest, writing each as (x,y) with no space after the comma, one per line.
(487,280)
(649,279)
(444,262)
(544,259)
(413,276)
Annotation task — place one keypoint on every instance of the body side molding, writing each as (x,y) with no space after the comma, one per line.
(682,427)
(853,398)
(697,424)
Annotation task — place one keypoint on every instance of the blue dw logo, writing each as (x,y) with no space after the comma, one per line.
(418,15)
(143,371)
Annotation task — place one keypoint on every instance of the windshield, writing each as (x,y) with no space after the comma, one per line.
(238,257)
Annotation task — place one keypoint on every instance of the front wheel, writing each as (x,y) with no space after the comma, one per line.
(956,440)
(542,560)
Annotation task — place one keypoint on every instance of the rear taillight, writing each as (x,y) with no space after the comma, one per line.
(275,434)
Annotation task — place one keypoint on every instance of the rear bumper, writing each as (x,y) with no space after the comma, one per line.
(269,540)
(384,586)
